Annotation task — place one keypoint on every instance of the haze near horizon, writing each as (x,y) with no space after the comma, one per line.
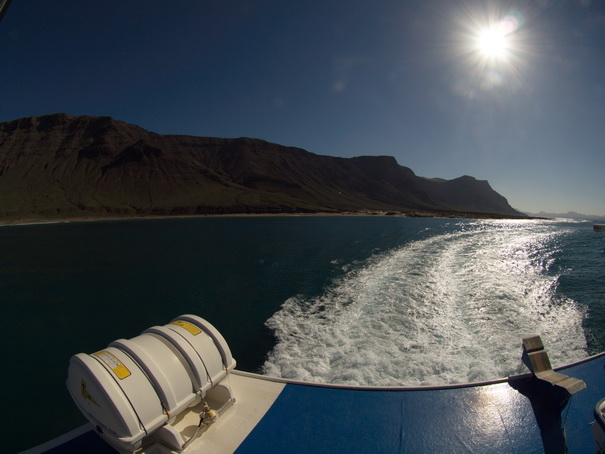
(510,92)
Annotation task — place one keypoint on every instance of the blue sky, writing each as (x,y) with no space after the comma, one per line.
(404,78)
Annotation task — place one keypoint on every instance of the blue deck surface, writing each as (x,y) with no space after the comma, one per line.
(519,416)
(523,416)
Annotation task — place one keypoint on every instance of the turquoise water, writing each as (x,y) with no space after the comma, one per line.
(366,300)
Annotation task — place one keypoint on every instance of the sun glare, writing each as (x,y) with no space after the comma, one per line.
(493,43)
(492,46)
(495,40)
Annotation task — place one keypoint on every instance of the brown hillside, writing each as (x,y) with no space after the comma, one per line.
(65,166)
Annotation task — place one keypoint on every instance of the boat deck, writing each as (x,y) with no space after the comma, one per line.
(520,414)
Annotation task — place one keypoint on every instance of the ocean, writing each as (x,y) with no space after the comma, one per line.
(354,300)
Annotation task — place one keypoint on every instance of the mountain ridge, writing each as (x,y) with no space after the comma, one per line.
(61,165)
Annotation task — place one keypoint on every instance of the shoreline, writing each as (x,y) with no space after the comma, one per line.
(372,213)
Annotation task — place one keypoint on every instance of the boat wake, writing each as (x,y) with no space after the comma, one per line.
(447,309)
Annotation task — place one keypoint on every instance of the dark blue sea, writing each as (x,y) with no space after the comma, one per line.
(355,300)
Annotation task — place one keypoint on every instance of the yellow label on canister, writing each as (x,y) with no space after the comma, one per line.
(188,326)
(113,363)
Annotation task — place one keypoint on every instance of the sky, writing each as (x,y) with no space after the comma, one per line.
(512,92)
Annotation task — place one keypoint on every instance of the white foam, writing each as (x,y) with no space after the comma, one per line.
(448,309)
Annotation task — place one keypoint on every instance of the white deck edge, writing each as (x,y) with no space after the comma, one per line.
(59,440)
(408,388)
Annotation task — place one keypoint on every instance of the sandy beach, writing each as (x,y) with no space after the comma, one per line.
(424,214)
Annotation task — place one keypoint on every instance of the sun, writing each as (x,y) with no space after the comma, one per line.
(493,43)
(491,47)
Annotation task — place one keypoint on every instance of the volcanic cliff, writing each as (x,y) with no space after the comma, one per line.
(69,166)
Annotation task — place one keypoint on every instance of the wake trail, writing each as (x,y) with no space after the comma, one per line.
(447,309)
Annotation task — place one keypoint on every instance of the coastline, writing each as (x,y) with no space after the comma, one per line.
(424,214)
